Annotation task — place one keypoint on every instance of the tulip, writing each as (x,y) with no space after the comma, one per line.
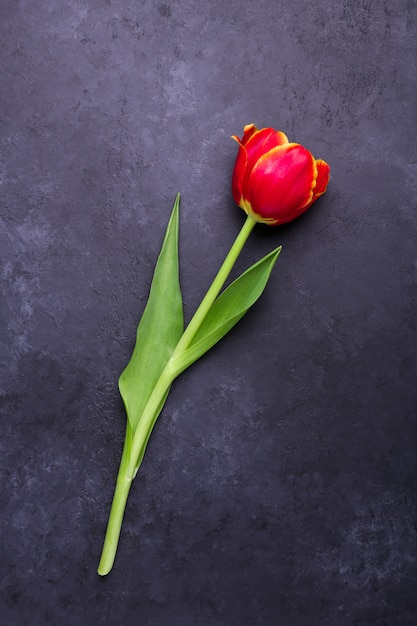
(274,181)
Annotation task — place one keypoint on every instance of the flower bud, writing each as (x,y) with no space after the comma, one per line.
(275,181)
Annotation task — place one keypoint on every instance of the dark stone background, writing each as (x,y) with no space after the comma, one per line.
(279,486)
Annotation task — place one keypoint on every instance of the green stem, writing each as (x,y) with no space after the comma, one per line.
(121,492)
(215,287)
(134,447)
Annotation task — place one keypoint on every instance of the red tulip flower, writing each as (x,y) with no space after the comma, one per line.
(275,181)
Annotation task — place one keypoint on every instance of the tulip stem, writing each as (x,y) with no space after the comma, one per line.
(215,287)
(114,525)
(135,445)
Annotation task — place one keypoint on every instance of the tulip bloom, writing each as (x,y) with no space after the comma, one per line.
(275,181)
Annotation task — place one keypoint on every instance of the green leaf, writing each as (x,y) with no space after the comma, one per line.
(230,306)
(159,330)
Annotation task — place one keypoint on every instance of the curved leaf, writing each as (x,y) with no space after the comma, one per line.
(230,306)
(159,330)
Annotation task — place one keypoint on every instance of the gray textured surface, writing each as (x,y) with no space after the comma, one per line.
(279,488)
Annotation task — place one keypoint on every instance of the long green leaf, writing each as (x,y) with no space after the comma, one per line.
(230,306)
(159,330)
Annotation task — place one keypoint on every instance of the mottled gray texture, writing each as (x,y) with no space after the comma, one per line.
(279,487)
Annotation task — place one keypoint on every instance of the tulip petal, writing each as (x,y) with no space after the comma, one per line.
(238,173)
(281,184)
(253,145)
(261,142)
(248,131)
(323,177)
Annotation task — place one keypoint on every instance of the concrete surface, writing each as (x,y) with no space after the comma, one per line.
(279,487)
